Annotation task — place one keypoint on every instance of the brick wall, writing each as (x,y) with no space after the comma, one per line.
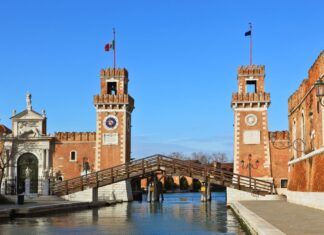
(307,175)
(83,143)
(280,155)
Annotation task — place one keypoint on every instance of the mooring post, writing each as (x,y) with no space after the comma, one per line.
(156,192)
(208,191)
(149,190)
(203,192)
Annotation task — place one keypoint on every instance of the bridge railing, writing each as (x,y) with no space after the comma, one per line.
(149,165)
(108,176)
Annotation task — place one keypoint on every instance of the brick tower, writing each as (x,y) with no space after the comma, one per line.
(250,105)
(113,123)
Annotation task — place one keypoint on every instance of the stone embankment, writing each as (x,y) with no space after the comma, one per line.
(40,207)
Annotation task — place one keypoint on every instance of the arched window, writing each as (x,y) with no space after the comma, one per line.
(73,156)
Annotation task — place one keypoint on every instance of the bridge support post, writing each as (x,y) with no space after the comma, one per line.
(94,194)
(156,193)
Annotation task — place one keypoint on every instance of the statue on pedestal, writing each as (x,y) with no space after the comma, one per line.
(28,172)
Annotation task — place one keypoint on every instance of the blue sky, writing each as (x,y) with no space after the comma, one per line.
(182,57)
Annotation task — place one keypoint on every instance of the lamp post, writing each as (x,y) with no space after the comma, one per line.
(319,86)
(250,165)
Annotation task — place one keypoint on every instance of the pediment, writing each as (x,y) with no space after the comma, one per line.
(28,115)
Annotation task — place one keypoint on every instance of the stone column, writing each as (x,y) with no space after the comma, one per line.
(9,173)
(45,186)
(47,159)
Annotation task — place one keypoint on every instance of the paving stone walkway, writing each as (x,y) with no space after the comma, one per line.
(290,218)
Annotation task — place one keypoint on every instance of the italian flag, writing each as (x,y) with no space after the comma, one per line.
(110,46)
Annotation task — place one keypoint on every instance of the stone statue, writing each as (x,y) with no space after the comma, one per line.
(27,172)
(50,172)
(28,101)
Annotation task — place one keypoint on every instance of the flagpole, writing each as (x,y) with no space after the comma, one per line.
(114,32)
(250,44)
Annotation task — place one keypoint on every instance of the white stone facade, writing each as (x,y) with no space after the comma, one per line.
(310,199)
(119,191)
(28,138)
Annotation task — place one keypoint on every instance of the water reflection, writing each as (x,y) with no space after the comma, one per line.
(178,214)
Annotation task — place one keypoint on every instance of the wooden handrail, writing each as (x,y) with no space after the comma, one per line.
(146,166)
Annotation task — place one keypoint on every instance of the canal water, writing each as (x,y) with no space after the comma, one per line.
(180,213)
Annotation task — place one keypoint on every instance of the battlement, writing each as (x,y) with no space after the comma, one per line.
(111,72)
(251,70)
(279,135)
(250,97)
(317,69)
(75,136)
(314,73)
(113,99)
(299,94)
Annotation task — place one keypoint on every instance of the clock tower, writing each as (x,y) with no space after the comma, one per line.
(113,119)
(250,105)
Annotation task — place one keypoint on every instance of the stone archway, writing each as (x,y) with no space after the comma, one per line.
(27,160)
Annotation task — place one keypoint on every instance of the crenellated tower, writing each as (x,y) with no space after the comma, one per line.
(250,105)
(113,123)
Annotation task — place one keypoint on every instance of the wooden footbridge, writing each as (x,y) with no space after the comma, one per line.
(146,167)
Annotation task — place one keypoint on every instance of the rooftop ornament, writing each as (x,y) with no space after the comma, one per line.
(297,144)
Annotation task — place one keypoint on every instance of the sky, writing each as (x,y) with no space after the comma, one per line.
(182,57)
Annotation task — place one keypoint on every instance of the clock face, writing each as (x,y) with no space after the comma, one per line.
(251,119)
(111,122)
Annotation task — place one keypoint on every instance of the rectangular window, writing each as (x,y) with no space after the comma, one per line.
(112,88)
(73,156)
(283,183)
(251,86)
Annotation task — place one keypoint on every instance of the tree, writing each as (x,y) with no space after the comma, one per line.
(178,155)
(203,158)
(219,157)
(7,153)
(4,161)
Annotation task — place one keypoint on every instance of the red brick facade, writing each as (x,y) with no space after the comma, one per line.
(279,156)
(82,143)
(251,136)
(92,147)
(306,126)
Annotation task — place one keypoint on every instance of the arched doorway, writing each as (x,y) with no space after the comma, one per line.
(184,183)
(27,160)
